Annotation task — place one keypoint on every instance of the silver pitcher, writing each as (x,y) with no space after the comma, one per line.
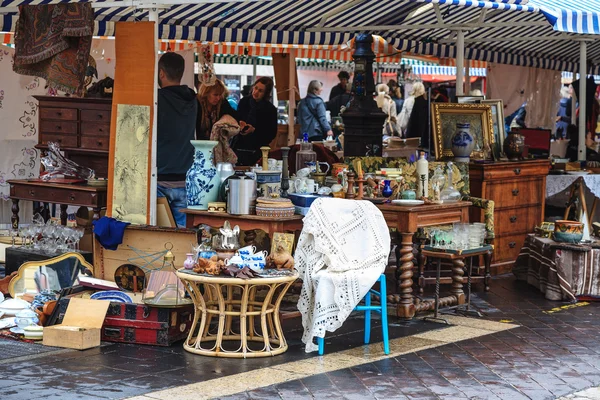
(241,195)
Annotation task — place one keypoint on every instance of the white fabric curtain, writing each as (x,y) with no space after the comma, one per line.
(515,85)
(19,132)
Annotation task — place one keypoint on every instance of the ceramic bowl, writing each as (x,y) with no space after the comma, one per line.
(34,332)
(568,231)
(112,295)
(11,307)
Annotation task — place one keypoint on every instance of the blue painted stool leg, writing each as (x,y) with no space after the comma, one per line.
(384,318)
(368,317)
(321,343)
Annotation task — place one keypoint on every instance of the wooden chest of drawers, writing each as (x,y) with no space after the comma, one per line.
(518,190)
(81,126)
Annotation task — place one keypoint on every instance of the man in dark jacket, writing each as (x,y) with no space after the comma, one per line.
(177,108)
(340,88)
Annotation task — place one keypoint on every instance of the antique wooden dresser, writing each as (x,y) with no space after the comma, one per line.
(518,190)
(81,126)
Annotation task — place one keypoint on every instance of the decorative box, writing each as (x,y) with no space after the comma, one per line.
(217,206)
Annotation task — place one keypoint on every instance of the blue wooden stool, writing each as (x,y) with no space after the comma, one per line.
(367,308)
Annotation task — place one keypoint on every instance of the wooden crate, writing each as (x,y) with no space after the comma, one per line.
(148,239)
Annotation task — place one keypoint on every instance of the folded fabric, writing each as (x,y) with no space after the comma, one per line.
(53,41)
(222,131)
(342,251)
(109,232)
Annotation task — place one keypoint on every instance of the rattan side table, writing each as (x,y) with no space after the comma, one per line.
(242,318)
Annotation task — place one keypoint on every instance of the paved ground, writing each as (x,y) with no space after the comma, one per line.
(555,352)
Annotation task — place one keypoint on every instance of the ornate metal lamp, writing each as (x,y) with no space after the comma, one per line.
(363,120)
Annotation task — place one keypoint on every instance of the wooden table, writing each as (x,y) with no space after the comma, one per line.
(246,222)
(215,297)
(57,193)
(406,220)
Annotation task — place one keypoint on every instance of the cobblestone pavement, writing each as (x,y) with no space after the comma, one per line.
(554,352)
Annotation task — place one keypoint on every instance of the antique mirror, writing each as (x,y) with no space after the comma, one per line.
(53,274)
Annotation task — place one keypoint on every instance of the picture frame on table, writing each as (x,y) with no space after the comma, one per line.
(497,107)
(286,240)
(469,99)
(445,116)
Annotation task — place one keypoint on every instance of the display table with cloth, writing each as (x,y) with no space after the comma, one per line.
(343,249)
(559,270)
(233,300)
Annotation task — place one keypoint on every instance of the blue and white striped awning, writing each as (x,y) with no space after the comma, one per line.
(517,32)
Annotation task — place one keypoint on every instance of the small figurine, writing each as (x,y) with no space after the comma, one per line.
(280,259)
(210,266)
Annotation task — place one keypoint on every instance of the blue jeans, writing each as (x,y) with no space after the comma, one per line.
(177,199)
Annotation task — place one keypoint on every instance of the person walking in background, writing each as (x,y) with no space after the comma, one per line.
(418,90)
(340,88)
(335,105)
(563,116)
(312,114)
(388,106)
(260,116)
(396,95)
(212,105)
(414,116)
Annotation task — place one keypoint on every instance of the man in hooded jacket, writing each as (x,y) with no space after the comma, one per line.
(177,109)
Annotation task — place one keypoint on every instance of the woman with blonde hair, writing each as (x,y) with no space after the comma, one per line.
(388,106)
(414,116)
(212,105)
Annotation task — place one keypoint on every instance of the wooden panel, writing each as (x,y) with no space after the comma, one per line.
(508,170)
(95,128)
(67,114)
(62,140)
(67,127)
(95,142)
(96,115)
(145,239)
(507,248)
(97,162)
(515,193)
(518,220)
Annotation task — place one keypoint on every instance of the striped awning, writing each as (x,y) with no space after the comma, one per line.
(518,32)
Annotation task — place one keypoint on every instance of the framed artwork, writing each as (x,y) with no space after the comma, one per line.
(469,99)
(497,107)
(445,116)
(284,239)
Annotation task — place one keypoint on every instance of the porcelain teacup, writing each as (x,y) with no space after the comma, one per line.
(248,250)
(303,173)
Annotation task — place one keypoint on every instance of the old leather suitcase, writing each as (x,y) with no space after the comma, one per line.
(142,324)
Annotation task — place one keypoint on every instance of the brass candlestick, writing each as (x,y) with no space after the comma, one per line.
(350,192)
(265,157)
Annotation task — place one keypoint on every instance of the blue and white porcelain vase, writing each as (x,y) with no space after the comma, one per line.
(202,180)
(462,143)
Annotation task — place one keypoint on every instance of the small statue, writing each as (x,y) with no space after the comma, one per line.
(280,259)
(210,266)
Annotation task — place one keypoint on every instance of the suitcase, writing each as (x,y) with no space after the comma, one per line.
(142,324)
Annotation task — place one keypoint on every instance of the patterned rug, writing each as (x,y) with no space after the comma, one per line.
(53,42)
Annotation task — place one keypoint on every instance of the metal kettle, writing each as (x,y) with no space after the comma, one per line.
(241,194)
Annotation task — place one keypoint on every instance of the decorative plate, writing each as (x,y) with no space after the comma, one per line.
(124,278)
(7,323)
(112,295)
(578,173)
(403,202)
(17,330)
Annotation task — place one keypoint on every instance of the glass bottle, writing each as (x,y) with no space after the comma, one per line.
(305,154)
(450,194)
(438,180)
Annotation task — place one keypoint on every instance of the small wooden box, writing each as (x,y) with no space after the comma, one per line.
(81,325)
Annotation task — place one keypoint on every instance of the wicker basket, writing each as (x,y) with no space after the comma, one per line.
(275,211)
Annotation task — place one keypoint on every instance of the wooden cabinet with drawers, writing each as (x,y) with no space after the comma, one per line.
(81,126)
(518,190)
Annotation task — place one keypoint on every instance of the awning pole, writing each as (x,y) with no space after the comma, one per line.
(153,17)
(467,76)
(292,99)
(581,154)
(460,62)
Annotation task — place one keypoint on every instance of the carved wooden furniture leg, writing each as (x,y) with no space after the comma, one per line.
(63,214)
(249,237)
(487,259)
(406,308)
(421,261)
(15,214)
(458,266)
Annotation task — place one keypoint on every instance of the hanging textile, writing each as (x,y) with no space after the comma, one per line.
(53,42)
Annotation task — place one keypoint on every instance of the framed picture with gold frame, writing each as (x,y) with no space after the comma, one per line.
(284,239)
(445,116)
(497,107)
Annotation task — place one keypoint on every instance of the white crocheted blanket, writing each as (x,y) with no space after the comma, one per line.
(342,251)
